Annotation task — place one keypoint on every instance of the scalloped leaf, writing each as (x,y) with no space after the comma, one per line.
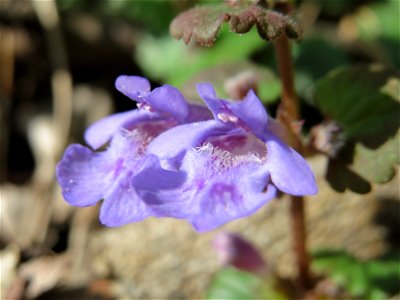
(377,164)
(364,100)
(203,23)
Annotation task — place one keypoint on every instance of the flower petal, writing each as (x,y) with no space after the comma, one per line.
(225,202)
(161,179)
(250,110)
(122,205)
(174,142)
(134,87)
(290,172)
(86,176)
(168,99)
(83,175)
(100,132)
(162,194)
(198,113)
(222,188)
(206,199)
(225,190)
(207,93)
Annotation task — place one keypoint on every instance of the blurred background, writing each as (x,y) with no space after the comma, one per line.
(59,60)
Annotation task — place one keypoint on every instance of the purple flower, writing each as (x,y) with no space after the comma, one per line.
(234,164)
(86,176)
(232,249)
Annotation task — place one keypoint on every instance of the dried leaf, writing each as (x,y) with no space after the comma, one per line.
(203,23)
(327,138)
(17,210)
(44,273)
(9,258)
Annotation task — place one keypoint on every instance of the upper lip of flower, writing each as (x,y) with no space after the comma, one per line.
(163,103)
(165,100)
(248,114)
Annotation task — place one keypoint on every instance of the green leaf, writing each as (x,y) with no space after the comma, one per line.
(165,59)
(230,283)
(234,284)
(365,101)
(375,26)
(361,99)
(374,279)
(229,77)
(377,20)
(377,164)
(314,57)
(154,16)
(337,7)
(340,177)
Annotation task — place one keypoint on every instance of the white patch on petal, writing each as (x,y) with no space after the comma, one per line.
(140,136)
(221,160)
(137,141)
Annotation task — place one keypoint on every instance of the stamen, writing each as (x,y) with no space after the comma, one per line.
(226,117)
(145,106)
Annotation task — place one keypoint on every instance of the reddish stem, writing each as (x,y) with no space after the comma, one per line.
(289,116)
(299,241)
(289,105)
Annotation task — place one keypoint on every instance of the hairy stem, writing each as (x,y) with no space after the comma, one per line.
(289,116)
(289,105)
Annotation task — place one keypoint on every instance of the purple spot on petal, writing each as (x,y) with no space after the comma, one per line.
(200,183)
(229,142)
(150,129)
(224,193)
(239,144)
(155,128)
(118,167)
